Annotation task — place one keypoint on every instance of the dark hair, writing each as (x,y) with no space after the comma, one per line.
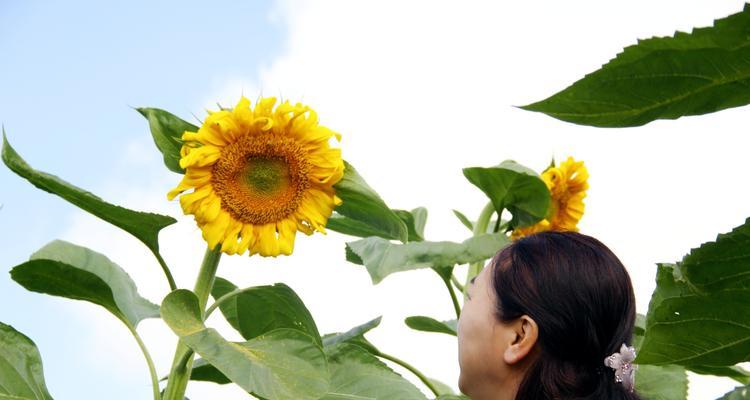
(581,298)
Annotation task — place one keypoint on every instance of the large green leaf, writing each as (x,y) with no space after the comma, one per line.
(262,309)
(513,187)
(739,393)
(382,258)
(663,78)
(142,225)
(649,379)
(167,130)
(203,371)
(281,364)
(367,210)
(21,374)
(650,382)
(699,314)
(414,220)
(67,270)
(358,375)
(737,373)
(427,324)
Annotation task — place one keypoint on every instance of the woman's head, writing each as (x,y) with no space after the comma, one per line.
(541,318)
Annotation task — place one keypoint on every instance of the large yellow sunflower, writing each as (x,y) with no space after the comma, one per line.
(258,176)
(567,184)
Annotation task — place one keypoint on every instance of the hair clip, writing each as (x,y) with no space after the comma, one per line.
(622,363)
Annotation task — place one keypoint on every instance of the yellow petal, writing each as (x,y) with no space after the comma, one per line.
(247,238)
(214,232)
(287,233)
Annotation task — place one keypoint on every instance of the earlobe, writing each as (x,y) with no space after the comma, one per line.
(525,336)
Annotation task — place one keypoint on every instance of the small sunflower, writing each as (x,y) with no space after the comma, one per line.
(567,184)
(258,176)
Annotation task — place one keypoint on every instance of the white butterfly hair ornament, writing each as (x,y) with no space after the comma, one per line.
(622,363)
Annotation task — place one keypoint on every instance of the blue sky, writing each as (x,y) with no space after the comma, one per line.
(70,73)
(418,90)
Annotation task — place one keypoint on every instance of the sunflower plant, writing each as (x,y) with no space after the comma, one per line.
(253,176)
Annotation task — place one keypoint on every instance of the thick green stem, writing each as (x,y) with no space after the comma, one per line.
(149,361)
(412,370)
(480,227)
(179,375)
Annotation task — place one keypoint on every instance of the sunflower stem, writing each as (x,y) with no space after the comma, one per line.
(479,228)
(182,365)
(412,370)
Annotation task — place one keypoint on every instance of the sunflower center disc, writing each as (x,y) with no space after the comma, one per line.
(266,175)
(261,178)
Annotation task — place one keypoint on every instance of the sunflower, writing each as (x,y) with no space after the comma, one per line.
(259,175)
(567,184)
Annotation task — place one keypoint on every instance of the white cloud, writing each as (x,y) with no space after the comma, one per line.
(422,89)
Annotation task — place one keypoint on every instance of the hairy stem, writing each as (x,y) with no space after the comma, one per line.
(480,227)
(182,364)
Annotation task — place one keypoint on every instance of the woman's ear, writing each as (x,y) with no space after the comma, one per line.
(524,333)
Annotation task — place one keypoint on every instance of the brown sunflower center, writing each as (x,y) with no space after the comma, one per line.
(261,178)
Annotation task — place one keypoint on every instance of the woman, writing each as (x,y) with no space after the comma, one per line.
(550,317)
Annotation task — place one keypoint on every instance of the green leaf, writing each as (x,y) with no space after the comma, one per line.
(262,309)
(357,331)
(205,372)
(649,379)
(362,204)
(142,225)
(348,226)
(650,382)
(21,374)
(415,221)
(662,78)
(382,258)
(354,336)
(470,224)
(229,307)
(167,130)
(357,375)
(67,270)
(427,324)
(461,217)
(513,187)
(739,393)
(737,373)
(281,364)
(452,397)
(698,315)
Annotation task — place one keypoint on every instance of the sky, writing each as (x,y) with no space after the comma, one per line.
(418,90)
